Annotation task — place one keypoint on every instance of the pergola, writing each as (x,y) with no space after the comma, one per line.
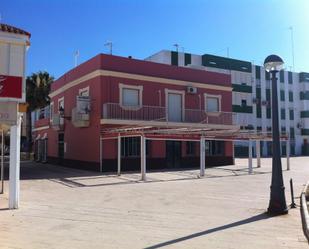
(188,133)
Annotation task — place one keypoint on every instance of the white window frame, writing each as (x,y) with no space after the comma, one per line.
(133,87)
(59,100)
(206,95)
(51,111)
(182,93)
(82,90)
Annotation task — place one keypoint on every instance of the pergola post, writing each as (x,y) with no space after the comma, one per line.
(2,162)
(100,154)
(119,155)
(143,158)
(14,183)
(258,153)
(288,153)
(250,157)
(202,156)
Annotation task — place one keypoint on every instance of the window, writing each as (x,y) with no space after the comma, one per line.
(290,96)
(243,102)
(130,146)
(282,76)
(61,104)
(213,103)
(190,148)
(283,114)
(84,91)
(282,97)
(257,72)
(291,114)
(130,96)
(290,77)
(214,148)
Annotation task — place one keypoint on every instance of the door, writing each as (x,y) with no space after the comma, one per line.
(173,154)
(174,107)
(60,147)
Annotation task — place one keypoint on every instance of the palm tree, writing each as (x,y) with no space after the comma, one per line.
(37,90)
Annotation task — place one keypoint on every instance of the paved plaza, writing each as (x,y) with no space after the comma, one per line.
(69,208)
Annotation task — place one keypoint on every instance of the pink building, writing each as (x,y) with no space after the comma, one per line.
(108,91)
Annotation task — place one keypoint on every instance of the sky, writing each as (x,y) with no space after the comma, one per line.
(250,29)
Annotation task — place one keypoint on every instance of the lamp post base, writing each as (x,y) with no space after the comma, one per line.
(277,204)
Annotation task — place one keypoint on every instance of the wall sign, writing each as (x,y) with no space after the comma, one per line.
(8,113)
(10,87)
(83,104)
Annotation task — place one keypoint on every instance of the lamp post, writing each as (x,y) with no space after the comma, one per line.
(277,204)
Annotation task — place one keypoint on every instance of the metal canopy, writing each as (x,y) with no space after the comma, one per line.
(190,133)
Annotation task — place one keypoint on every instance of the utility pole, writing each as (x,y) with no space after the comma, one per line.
(110,45)
(292,44)
(76,55)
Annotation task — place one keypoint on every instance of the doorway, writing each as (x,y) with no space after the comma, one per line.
(173,154)
(174,107)
(60,147)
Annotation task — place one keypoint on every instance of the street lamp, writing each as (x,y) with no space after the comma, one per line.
(277,204)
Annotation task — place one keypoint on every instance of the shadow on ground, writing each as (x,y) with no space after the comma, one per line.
(255,218)
(73,178)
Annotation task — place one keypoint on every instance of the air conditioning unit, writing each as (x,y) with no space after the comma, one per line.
(255,101)
(299,125)
(191,90)
(265,102)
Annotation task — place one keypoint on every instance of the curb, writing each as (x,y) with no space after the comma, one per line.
(304,210)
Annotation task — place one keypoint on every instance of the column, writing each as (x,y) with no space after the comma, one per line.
(119,156)
(100,154)
(250,156)
(202,156)
(258,153)
(14,184)
(143,158)
(288,153)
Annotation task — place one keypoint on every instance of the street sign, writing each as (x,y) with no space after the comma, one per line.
(8,113)
(10,87)
(83,104)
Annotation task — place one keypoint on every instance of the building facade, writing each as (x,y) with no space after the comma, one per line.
(252,97)
(111,91)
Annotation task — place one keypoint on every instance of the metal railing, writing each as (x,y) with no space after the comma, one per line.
(157,113)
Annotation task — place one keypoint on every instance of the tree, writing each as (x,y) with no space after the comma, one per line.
(37,90)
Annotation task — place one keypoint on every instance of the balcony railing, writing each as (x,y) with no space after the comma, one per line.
(157,113)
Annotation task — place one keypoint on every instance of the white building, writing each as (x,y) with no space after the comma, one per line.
(252,97)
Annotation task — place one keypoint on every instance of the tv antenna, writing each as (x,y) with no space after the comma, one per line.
(176,46)
(110,45)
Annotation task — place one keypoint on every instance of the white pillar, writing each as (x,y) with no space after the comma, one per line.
(202,156)
(2,162)
(143,158)
(101,145)
(233,148)
(250,157)
(14,184)
(119,156)
(258,153)
(288,153)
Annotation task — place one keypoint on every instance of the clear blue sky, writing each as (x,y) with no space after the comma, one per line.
(252,29)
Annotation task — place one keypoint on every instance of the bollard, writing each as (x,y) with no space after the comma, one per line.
(293,205)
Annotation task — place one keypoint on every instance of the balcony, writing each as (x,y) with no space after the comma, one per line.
(114,113)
